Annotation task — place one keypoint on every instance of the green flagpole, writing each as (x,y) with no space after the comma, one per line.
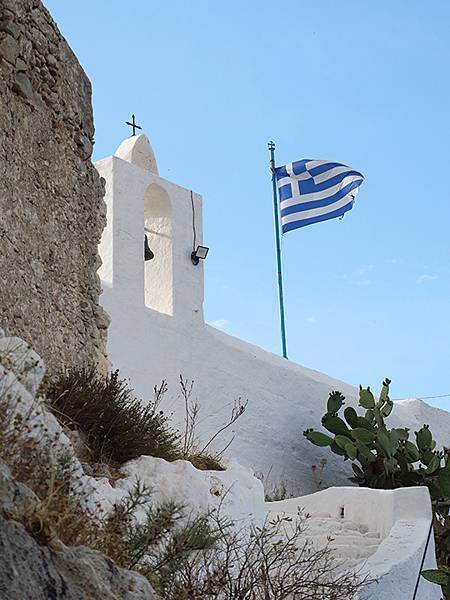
(271,147)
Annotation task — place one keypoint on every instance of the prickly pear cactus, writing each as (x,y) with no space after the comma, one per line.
(381,457)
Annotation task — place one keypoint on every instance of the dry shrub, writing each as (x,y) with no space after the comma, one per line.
(192,449)
(117,426)
(274,562)
(205,461)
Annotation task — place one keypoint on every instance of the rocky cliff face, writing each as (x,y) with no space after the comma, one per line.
(51,197)
(41,573)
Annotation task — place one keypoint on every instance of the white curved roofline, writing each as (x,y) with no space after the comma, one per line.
(137,150)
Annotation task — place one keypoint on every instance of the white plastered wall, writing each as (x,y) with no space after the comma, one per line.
(149,345)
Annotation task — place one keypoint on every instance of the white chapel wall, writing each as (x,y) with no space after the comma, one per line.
(149,345)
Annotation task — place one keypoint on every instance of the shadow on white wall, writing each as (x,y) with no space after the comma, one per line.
(159,270)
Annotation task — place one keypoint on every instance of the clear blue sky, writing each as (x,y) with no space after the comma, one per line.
(363,83)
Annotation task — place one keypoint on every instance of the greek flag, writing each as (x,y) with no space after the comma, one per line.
(311,191)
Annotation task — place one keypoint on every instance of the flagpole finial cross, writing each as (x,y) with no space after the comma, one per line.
(271,147)
(133,124)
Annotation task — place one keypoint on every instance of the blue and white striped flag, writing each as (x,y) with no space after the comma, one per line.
(311,191)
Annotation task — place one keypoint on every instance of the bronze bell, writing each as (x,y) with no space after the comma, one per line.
(148,254)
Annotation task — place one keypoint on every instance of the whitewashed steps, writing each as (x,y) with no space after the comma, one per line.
(351,543)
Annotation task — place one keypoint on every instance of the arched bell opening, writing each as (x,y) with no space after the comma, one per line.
(158,231)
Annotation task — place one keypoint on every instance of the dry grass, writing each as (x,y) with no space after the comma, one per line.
(59,515)
(27,449)
(205,462)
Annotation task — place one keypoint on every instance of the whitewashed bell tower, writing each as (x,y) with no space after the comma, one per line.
(139,201)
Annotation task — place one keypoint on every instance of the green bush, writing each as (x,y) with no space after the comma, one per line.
(117,426)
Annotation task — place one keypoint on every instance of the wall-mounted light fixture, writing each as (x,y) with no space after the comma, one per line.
(200,254)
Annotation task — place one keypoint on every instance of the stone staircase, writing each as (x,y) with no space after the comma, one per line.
(352,543)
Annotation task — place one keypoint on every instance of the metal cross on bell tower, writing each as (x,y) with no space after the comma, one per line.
(133,124)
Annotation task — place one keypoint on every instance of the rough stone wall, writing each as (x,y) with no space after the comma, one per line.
(52,211)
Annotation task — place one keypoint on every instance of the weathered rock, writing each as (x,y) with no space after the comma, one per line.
(18,357)
(16,499)
(22,86)
(51,198)
(9,49)
(10,27)
(38,573)
(21,65)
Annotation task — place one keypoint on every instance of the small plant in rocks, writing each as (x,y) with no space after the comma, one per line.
(278,492)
